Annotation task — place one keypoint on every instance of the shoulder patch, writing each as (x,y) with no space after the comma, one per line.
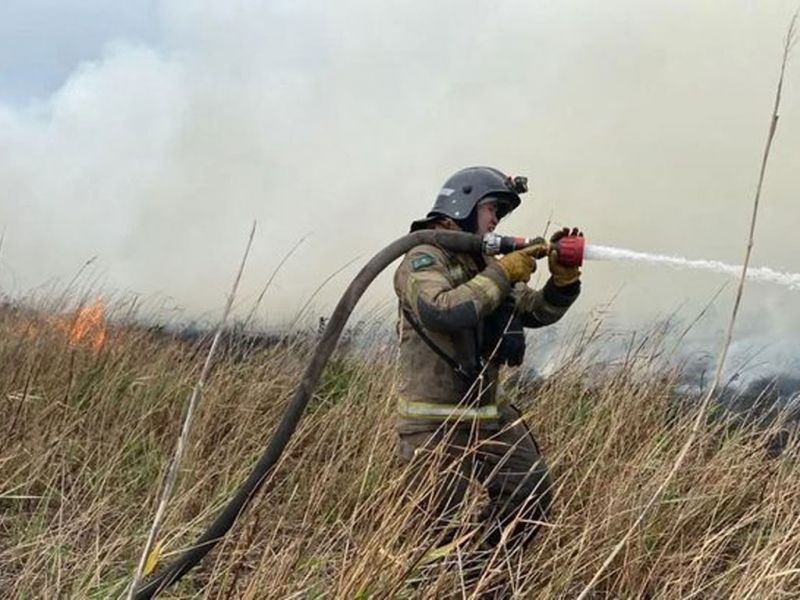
(422,261)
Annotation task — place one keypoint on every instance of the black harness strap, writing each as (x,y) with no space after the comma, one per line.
(452,363)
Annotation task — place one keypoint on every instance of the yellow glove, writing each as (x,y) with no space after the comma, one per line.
(562,276)
(519,265)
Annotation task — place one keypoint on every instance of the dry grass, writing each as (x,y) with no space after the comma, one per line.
(85,438)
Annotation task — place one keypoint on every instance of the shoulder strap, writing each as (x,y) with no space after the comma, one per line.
(452,363)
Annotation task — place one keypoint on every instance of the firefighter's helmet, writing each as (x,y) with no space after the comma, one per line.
(464,190)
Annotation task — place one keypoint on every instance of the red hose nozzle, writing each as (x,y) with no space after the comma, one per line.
(569,250)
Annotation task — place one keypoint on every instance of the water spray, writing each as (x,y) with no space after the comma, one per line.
(573,250)
(763,274)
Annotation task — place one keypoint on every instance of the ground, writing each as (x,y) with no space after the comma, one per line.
(88,429)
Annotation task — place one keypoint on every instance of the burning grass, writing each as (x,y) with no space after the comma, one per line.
(88,430)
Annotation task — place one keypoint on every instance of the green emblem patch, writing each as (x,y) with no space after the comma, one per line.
(422,261)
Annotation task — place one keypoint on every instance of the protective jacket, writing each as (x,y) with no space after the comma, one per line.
(447,298)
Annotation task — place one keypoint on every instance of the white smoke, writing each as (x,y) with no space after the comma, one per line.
(643,123)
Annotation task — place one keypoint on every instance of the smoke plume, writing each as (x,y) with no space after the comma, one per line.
(643,124)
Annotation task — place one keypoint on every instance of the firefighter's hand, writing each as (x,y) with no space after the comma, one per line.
(562,276)
(519,265)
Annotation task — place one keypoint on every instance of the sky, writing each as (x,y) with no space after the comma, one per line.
(151,134)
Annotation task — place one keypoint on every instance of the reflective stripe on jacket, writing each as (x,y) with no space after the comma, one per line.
(429,410)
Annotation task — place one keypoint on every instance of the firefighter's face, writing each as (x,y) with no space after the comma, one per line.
(487,217)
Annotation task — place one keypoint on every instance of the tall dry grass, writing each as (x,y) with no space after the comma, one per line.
(85,438)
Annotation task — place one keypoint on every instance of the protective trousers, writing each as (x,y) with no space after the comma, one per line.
(485,477)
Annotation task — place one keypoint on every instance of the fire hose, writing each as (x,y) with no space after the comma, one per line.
(570,253)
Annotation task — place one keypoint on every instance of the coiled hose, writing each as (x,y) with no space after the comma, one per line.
(451,240)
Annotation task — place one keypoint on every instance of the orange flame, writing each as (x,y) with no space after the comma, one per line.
(89,326)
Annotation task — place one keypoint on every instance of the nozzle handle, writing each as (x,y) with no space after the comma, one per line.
(504,244)
(570,249)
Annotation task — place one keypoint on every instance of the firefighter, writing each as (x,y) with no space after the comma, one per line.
(461,318)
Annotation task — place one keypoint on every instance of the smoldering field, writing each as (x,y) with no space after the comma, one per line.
(642,125)
(89,427)
(337,125)
(155,156)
